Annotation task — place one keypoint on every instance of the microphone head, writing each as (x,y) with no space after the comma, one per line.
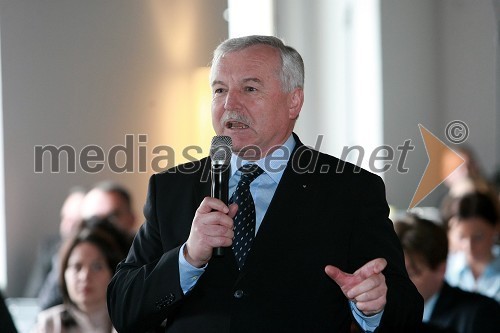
(220,149)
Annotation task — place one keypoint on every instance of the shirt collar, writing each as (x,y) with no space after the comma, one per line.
(429,307)
(273,164)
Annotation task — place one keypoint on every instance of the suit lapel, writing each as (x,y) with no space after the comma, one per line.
(443,302)
(202,191)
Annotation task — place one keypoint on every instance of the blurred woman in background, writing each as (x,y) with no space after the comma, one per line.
(88,261)
(476,264)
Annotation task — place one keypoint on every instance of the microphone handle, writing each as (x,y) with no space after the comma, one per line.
(220,190)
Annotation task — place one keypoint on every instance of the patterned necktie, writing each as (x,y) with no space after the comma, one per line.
(244,221)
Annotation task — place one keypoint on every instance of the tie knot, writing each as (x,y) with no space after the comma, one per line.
(250,171)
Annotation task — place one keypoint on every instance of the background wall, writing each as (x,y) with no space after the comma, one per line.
(469,42)
(439,65)
(90,72)
(411,86)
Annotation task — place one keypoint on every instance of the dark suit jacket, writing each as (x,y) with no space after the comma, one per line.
(465,312)
(6,321)
(42,265)
(324,212)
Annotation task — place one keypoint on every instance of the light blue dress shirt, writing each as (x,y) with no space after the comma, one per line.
(262,190)
(429,306)
(459,274)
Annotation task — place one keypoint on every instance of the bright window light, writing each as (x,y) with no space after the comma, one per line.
(3,242)
(250,17)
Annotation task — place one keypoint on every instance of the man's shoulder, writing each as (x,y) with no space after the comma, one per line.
(311,160)
(460,297)
(198,169)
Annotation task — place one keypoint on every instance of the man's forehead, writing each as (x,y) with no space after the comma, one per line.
(262,54)
(253,70)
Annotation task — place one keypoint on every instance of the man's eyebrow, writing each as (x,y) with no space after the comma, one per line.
(252,79)
(214,82)
(246,80)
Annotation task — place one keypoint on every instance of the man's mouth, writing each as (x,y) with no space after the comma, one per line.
(236,125)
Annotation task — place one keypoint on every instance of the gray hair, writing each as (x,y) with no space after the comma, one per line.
(292,65)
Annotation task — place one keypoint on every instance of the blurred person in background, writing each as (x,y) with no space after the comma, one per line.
(446,308)
(107,200)
(88,261)
(42,281)
(476,264)
(467,178)
(110,200)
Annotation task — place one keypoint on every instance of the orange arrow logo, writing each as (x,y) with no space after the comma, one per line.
(443,161)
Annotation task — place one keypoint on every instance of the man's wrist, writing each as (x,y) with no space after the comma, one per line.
(367,322)
(190,260)
(188,274)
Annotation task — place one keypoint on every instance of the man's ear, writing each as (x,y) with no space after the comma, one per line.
(296,100)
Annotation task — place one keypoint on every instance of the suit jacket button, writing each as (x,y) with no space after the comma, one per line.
(238,294)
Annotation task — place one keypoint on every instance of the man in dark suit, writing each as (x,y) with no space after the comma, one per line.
(425,245)
(323,251)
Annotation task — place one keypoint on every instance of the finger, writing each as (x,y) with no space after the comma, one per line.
(216,230)
(233,209)
(344,280)
(205,237)
(372,302)
(212,204)
(372,307)
(211,218)
(369,289)
(372,267)
(370,296)
(218,241)
(217,218)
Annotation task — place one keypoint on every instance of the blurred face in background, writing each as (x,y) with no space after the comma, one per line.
(427,280)
(108,204)
(475,237)
(70,214)
(87,276)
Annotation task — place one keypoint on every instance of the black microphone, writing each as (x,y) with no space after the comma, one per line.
(220,154)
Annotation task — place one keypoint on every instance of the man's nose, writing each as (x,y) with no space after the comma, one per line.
(233,101)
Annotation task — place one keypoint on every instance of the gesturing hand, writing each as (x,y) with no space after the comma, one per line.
(212,227)
(366,287)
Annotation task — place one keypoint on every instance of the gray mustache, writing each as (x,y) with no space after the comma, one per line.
(235,116)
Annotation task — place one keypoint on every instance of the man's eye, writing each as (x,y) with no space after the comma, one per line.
(250,89)
(218,91)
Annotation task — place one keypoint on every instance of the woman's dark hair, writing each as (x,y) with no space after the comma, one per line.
(477,205)
(111,242)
